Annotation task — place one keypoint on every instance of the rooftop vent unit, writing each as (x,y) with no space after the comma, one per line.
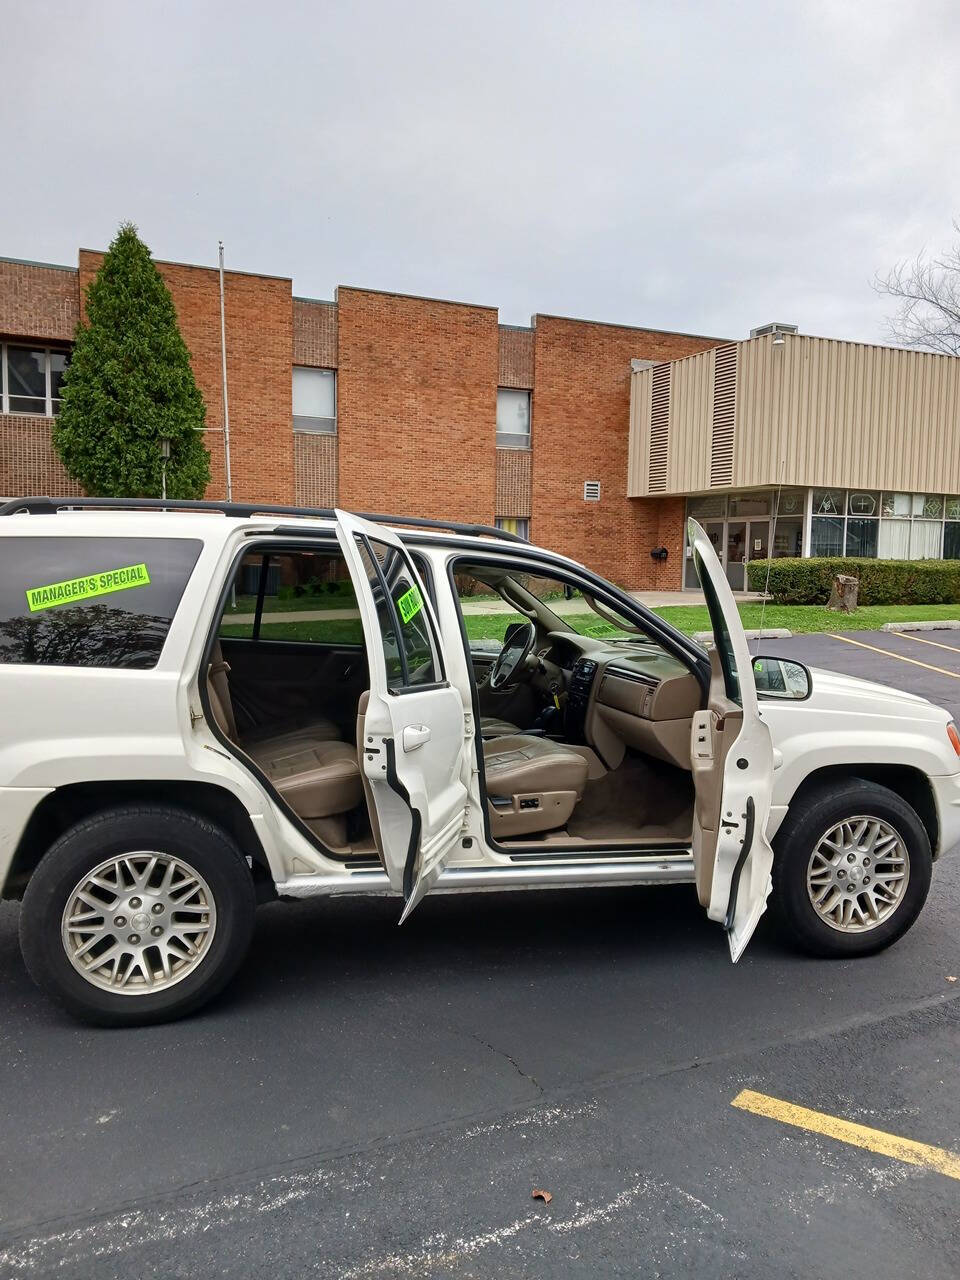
(766,329)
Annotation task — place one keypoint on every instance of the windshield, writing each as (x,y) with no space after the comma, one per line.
(496,600)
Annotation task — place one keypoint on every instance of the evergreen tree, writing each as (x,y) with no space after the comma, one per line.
(129,385)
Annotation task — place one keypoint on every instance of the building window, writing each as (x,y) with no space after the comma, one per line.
(518,525)
(314,400)
(828,502)
(712,507)
(791,502)
(750,504)
(513,419)
(30,378)
(826,536)
(862,538)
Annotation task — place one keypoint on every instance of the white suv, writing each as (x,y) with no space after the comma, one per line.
(217,705)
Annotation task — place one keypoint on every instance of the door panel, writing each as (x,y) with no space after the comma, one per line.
(272,682)
(414,736)
(732,761)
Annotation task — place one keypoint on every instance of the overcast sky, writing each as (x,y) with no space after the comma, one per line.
(704,167)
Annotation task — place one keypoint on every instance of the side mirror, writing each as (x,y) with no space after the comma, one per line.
(781,678)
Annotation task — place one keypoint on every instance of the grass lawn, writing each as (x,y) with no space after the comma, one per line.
(295,604)
(809,617)
(689,618)
(336,631)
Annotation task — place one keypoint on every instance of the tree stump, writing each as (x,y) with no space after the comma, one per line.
(844,593)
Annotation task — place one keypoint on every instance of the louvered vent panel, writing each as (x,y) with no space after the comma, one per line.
(724,415)
(659,429)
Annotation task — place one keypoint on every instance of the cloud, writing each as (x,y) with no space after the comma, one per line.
(683,165)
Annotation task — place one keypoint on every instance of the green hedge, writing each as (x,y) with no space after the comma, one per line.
(881,581)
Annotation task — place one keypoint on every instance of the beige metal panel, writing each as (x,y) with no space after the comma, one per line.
(688,427)
(847,414)
(815,411)
(638,453)
(691,415)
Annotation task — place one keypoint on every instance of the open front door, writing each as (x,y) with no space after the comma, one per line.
(732,761)
(412,753)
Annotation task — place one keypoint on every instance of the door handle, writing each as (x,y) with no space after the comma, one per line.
(414,735)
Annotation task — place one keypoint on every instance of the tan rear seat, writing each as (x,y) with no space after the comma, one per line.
(288,733)
(316,775)
(317,781)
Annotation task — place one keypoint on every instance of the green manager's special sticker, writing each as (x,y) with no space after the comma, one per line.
(410,604)
(86,588)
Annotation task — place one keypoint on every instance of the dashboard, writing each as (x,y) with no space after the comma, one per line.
(623,695)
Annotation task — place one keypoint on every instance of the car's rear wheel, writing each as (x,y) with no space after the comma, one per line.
(852,869)
(137,915)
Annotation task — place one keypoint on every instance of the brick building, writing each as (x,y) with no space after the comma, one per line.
(379,402)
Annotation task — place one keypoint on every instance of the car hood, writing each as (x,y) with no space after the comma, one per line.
(831,689)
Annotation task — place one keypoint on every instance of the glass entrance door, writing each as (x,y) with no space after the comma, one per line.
(736,553)
(746,540)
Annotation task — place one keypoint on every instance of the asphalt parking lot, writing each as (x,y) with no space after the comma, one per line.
(374,1102)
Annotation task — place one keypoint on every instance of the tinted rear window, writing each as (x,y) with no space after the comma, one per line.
(90,602)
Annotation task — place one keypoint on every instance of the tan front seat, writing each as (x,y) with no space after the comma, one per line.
(492,727)
(532,784)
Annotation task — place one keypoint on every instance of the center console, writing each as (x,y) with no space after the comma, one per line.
(578,697)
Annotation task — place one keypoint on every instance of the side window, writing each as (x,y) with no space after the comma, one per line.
(408,642)
(303,597)
(91,602)
(486,615)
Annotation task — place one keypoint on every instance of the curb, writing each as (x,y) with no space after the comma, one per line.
(939,624)
(768,633)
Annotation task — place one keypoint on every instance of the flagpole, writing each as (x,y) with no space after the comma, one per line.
(226,409)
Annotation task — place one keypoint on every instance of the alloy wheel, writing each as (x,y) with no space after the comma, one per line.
(139,923)
(858,873)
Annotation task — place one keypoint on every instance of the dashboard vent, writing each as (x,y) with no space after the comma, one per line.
(622,673)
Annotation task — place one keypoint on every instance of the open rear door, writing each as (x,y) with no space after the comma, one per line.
(732,761)
(413,738)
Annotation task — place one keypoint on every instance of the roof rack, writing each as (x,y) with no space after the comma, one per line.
(49,506)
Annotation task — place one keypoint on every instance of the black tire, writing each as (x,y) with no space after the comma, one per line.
(111,833)
(810,817)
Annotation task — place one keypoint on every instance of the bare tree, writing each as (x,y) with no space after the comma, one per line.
(928,293)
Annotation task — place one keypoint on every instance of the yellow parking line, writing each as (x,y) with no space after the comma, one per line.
(858,1135)
(938,644)
(888,653)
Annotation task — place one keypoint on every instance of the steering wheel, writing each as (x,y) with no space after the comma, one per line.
(513,655)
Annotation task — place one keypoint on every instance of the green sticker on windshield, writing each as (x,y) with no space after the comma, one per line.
(85,588)
(410,604)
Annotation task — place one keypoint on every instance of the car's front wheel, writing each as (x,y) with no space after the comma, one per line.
(137,915)
(852,869)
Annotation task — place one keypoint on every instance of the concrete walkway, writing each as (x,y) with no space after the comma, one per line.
(652,599)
